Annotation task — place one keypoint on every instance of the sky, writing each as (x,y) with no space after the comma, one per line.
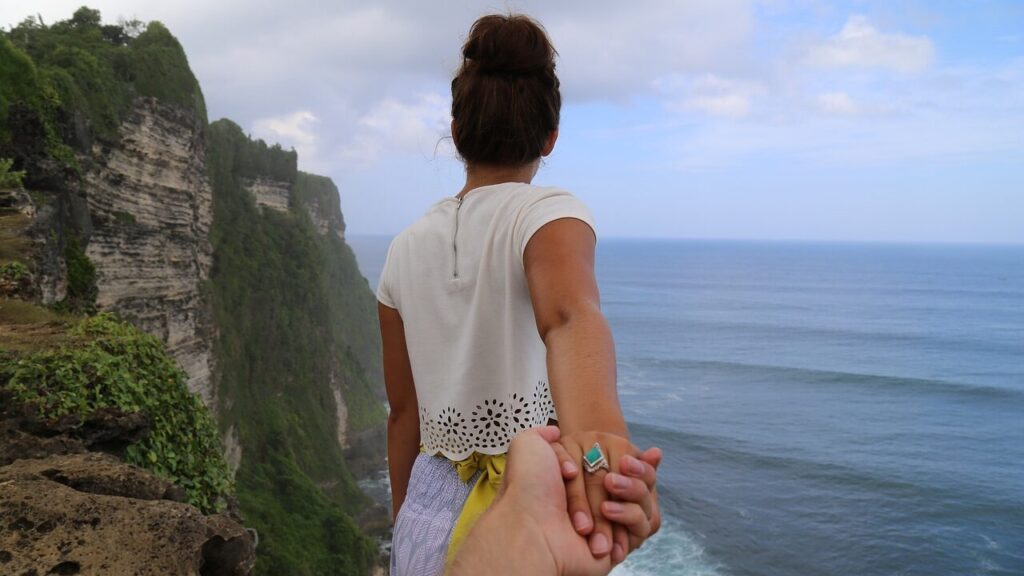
(894,120)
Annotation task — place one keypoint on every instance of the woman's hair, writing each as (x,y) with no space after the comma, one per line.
(505,99)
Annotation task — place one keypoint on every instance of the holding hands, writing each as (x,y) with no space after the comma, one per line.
(527,530)
(615,506)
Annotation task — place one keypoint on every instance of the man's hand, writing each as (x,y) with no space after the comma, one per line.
(527,529)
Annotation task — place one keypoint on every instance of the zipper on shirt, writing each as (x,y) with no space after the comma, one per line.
(455,237)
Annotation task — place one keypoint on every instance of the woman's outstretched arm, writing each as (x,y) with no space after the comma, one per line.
(559,266)
(403,418)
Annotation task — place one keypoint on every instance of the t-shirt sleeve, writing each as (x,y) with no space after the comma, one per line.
(549,206)
(385,285)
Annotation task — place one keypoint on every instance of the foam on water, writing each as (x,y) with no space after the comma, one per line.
(670,551)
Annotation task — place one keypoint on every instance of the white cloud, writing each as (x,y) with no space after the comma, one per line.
(729,105)
(711,94)
(839,103)
(419,126)
(861,45)
(613,50)
(295,130)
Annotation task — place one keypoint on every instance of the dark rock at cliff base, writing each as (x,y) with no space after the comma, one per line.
(93,514)
(24,435)
(366,450)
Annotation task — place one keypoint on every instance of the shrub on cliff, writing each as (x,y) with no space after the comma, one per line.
(112,364)
(10,178)
(66,84)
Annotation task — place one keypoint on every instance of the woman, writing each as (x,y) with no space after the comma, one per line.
(490,316)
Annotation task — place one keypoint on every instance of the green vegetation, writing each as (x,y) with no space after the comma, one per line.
(111,364)
(81,291)
(320,193)
(13,271)
(293,315)
(29,111)
(124,218)
(10,178)
(65,84)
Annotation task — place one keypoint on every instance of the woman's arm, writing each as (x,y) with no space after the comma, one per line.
(559,266)
(403,419)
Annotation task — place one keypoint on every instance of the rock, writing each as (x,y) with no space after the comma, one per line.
(340,410)
(22,435)
(364,455)
(111,429)
(92,514)
(269,193)
(16,444)
(150,207)
(97,473)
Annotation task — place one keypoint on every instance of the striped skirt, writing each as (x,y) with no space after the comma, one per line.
(424,525)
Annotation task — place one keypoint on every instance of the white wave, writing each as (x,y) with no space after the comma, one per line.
(670,552)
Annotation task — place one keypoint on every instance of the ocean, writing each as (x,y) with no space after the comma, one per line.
(824,408)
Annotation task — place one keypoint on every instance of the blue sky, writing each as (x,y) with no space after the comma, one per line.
(774,119)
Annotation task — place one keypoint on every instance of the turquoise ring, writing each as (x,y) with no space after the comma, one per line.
(594,459)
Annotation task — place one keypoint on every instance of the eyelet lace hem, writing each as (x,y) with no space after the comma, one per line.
(489,427)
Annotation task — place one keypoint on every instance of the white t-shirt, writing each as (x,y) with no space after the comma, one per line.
(456,278)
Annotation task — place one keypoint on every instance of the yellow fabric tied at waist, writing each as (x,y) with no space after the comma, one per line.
(480,497)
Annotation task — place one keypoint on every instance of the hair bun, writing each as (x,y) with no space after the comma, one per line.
(505,97)
(508,45)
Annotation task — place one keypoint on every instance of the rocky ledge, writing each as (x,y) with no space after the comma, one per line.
(67,510)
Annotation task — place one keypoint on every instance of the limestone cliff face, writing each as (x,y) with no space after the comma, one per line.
(150,205)
(324,219)
(270,193)
(316,195)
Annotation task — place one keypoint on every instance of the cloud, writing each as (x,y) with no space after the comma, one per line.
(710,94)
(861,45)
(294,130)
(417,126)
(838,103)
(614,50)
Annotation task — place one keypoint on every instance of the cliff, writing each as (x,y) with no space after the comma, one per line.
(297,351)
(110,132)
(150,207)
(129,202)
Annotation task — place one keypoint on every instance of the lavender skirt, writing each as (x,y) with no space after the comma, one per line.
(424,525)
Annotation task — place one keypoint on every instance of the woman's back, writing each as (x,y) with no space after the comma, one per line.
(456,277)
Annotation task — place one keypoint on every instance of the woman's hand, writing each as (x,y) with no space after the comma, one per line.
(635,507)
(591,507)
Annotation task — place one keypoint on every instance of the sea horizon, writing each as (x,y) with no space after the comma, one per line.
(825,241)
